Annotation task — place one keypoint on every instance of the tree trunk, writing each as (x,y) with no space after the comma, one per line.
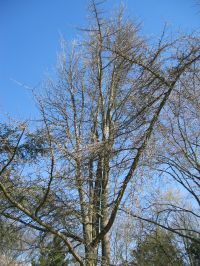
(105,214)
(91,257)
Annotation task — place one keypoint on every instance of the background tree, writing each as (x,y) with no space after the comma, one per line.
(175,162)
(193,250)
(157,249)
(12,244)
(54,253)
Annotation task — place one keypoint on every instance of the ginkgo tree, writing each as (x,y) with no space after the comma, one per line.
(69,177)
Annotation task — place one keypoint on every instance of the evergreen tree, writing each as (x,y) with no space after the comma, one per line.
(193,251)
(157,249)
(53,254)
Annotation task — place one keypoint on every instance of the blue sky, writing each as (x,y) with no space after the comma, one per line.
(30,32)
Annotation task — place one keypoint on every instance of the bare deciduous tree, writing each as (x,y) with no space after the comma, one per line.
(96,122)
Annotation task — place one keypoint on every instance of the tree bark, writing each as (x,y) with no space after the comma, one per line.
(105,213)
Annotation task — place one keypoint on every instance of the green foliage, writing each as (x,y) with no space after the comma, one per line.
(193,251)
(53,254)
(35,144)
(11,243)
(31,146)
(157,249)
(8,237)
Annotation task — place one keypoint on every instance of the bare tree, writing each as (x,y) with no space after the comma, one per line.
(179,160)
(97,119)
(176,159)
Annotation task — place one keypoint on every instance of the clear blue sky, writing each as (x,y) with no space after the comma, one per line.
(30,30)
